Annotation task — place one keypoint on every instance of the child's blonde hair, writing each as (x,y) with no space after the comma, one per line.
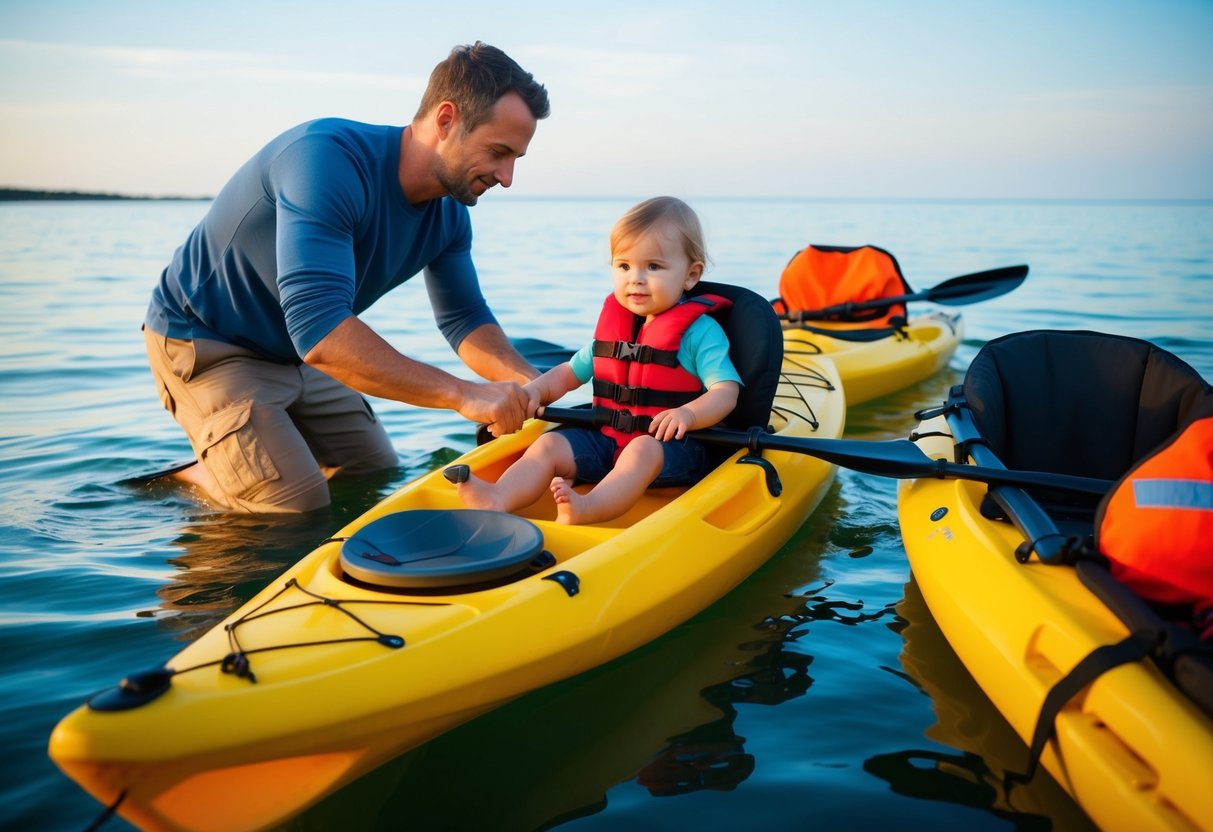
(660,209)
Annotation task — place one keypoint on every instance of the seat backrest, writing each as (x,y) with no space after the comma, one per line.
(1078,402)
(755,347)
(822,276)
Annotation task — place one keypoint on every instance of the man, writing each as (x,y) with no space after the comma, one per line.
(253,333)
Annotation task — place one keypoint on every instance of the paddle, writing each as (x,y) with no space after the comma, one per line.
(896,458)
(967,288)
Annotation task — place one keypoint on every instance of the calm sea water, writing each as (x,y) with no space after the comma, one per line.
(819,694)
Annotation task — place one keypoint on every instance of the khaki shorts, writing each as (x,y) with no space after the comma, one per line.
(269,434)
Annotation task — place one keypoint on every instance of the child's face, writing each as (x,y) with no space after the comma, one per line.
(652,270)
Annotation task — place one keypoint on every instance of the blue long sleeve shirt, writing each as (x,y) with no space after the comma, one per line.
(313,229)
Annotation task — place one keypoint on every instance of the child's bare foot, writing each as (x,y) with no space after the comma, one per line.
(473,492)
(570,506)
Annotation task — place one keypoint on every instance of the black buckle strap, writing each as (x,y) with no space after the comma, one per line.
(1136,646)
(623,421)
(946,409)
(959,416)
(620,393)
(641,396)
(631,351)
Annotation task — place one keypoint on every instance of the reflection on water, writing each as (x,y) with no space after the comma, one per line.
(986,747)
(223,560)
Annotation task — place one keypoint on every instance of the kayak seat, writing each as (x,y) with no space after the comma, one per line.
(822,276)
(755,347)
(435,548)
(1077,402)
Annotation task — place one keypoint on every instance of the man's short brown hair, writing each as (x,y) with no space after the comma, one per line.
(474,78)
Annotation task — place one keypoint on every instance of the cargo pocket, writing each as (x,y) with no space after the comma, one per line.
(181,357)
(370,412)
(231,451)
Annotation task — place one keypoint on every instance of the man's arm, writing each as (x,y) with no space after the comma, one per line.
(358,357)
(489,354)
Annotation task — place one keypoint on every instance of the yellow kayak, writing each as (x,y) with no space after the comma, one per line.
(870,369)
(322,677)
(1133,751)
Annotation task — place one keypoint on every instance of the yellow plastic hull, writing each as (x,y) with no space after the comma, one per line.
(872,369)
(1132,751)
(217,751)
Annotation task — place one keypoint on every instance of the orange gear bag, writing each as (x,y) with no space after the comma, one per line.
(1156,525)
(822,276)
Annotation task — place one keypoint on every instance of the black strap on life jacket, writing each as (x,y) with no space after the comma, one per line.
(622,420)
(641,396)
(629,351)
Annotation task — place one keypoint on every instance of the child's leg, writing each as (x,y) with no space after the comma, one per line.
(638,465)
(523,482)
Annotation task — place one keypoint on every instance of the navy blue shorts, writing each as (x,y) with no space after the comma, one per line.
(686,460)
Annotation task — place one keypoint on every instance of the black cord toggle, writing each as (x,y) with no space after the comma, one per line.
(237,664)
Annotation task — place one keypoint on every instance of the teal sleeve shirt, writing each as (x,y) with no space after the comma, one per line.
(704,352)
(313,229)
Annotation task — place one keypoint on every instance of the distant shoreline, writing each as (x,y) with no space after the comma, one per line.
(34,195)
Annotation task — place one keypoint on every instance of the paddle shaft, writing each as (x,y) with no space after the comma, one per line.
(897,458)
(967,288)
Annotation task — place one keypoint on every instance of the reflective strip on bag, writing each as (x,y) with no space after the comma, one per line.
(1177,494)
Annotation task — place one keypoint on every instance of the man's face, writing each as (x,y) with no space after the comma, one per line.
(468,164)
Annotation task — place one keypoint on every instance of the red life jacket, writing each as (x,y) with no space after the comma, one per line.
(1156,525)
(637,375)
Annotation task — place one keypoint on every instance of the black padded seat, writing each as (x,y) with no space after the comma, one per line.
(1078,402)
(755,347)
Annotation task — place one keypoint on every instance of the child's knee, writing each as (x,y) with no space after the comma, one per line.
(551,446)
(646,450)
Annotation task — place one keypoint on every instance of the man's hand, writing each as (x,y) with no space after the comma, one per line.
(502,405)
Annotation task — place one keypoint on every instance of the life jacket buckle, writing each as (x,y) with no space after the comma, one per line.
(625,421)
(627,350)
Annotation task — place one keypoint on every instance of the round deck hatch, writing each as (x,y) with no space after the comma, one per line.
(426,548)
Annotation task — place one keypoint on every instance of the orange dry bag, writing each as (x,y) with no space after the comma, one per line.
(822,276)
(1156,525)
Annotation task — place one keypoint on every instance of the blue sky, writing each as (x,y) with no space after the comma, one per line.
(930,99)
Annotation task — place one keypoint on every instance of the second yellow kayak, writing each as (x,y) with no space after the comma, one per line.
(870,369)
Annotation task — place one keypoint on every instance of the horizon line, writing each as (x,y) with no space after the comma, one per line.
(10,193)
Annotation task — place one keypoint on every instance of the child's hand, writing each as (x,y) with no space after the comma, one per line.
(534,398)
(672,424)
